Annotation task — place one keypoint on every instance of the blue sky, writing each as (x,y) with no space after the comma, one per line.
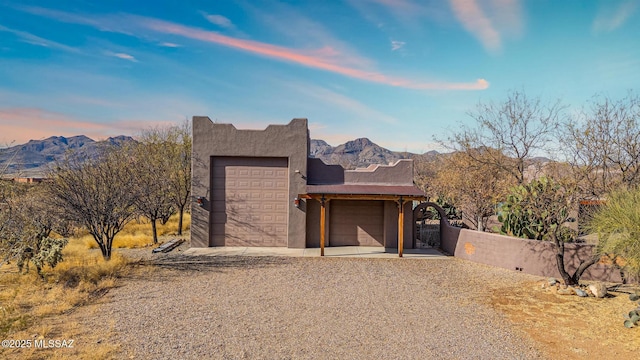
(396,71)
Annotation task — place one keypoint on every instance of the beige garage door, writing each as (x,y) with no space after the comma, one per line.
(249,201)
(356,223)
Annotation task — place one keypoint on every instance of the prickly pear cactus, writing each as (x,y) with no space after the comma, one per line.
(633,318)
(534,210)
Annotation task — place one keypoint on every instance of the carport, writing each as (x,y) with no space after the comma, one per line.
(351,196)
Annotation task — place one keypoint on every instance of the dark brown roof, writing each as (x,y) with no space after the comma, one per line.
(358,189)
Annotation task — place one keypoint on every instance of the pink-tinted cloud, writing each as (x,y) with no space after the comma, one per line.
(20,125)
(326,58)
(308,59)
(473,18)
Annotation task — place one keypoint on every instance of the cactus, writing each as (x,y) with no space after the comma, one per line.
(628,324)
(633,318)
(535,210)
(634,297)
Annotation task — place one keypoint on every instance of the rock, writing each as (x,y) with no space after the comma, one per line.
(552,281)
(566,291)
(580,292)
(598,290)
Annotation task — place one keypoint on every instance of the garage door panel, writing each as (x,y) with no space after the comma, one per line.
(354,223)
(250,204)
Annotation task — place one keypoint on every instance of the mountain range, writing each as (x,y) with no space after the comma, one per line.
(31,159)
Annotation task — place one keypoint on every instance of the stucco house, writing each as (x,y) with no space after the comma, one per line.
(261,188)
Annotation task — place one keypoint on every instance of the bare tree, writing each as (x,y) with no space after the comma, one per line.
(471,187)
(96,193)
(603,144)
(153,157)
(518,128)
(180,173)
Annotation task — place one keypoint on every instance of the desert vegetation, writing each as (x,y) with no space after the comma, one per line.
(56,237)
(531,162)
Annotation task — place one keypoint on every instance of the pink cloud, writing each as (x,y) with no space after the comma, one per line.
(476,22)
(20,125)
(326,58)
(322,59)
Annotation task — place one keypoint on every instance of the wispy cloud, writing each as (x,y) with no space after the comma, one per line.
(38,41)
(397,45)
(343,102)
(473,18)
(218,20)
(406,12)
(611,17)
(122,56)
(325,58)
(169,45)
(321,59)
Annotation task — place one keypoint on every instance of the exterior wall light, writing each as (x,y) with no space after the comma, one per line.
(296,202)
(200,201)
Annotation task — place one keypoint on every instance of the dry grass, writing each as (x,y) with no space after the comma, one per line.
(138,233)
(570,327)
(32,308)
(35,309)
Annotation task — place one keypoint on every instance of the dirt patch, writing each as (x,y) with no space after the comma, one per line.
(570,327)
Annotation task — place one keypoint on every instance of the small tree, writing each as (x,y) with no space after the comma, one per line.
(603,144)
(180,172)
(471,187)
(96,193)
(153,163)
(519,128)
(538,210)
(26,236)
(617,224)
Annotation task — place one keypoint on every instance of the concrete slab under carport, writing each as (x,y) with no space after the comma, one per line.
(337,251)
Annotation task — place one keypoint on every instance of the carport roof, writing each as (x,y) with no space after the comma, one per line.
(364,190)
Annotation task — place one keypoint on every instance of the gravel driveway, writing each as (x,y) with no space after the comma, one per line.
(312,308)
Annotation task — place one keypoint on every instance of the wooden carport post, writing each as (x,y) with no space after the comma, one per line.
(323,215)
(400,226)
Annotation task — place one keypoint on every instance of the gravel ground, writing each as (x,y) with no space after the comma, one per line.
(311,308)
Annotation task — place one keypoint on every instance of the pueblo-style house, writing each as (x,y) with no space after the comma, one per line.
(261,188)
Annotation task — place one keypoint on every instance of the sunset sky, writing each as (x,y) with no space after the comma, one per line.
(396,71)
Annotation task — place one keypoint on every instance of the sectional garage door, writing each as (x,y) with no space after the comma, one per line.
(356,223)
(249,202)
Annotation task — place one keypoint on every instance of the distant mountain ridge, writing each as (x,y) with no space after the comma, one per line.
(360,152)
(31,159)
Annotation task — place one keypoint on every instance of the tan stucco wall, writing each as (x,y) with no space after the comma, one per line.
(209,140)
(398,173)
(529,256)
(390,226)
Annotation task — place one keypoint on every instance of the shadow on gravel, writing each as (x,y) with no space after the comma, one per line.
(208,263)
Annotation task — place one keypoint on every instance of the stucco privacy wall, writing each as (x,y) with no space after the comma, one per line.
(529,256)
(211,140)
(398,173)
